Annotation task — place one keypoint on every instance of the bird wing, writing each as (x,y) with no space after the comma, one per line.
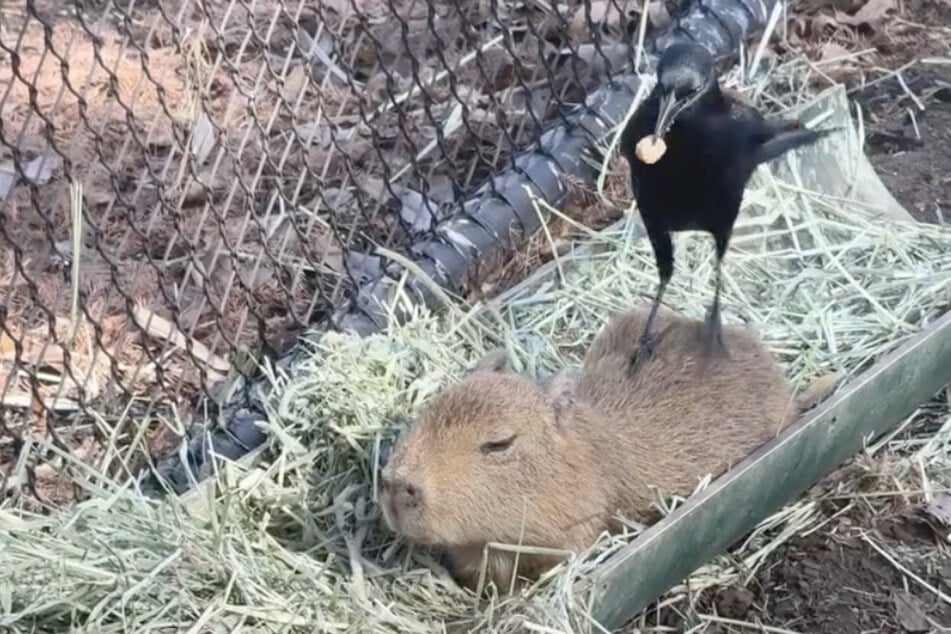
(771,138)
(776,137)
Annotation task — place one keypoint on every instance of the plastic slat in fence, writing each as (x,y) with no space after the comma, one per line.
(241,436)
(430,268)
(471,237)
(720,25)
(451,263)
(566,148)
(495,216)
(467,235)
(517,190)
(544,175)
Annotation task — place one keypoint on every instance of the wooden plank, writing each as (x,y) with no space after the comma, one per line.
(778,472)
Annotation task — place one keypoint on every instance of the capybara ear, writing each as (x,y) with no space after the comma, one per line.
(493,361)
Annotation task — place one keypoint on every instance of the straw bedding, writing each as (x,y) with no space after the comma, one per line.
(297,542)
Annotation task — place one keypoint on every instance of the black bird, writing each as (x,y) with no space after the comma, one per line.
(713,146)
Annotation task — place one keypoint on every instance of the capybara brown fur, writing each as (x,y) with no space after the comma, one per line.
(500,458)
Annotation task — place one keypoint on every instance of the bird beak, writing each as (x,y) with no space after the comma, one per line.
(669,108)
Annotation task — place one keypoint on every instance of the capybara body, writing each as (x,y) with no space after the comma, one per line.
(499,458)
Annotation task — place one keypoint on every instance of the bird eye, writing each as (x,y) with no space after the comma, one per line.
(497,445)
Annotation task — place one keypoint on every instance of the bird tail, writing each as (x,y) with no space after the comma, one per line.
(788,137)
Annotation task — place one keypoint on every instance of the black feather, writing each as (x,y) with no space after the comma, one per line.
(787,139)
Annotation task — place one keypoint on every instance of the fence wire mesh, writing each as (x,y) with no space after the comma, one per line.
(188,184)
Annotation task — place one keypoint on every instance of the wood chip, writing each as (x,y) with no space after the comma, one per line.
(940,508)
(909,613)
(161,328)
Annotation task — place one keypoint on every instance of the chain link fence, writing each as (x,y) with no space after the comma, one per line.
(187,185)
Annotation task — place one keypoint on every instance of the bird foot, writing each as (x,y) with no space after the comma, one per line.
(713,335)
(645,348)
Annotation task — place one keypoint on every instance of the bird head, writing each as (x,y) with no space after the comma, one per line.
(685,73)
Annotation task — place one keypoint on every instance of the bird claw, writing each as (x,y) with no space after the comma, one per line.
(645,348)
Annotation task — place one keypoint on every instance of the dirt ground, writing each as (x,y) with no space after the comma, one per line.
(912,154)
(834,581)
(916,170)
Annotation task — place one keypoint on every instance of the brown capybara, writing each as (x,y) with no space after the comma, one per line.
(500,458)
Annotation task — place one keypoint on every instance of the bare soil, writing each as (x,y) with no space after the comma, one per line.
(910,148)
(835,581)
(914,164)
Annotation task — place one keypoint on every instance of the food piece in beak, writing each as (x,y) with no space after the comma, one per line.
(650,149)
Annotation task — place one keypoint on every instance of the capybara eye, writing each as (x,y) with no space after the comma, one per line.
(494,446)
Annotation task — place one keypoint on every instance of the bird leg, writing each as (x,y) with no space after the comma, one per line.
(664,255)
(713,330)
(646,342)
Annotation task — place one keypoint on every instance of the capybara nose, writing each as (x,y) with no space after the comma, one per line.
(406,494)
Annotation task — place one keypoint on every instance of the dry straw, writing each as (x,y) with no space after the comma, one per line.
(296,544)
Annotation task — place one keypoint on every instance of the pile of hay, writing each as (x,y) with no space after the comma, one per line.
(297,543)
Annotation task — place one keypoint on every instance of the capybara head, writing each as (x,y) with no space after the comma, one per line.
(489,459)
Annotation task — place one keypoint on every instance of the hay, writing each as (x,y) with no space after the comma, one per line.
(297,543)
